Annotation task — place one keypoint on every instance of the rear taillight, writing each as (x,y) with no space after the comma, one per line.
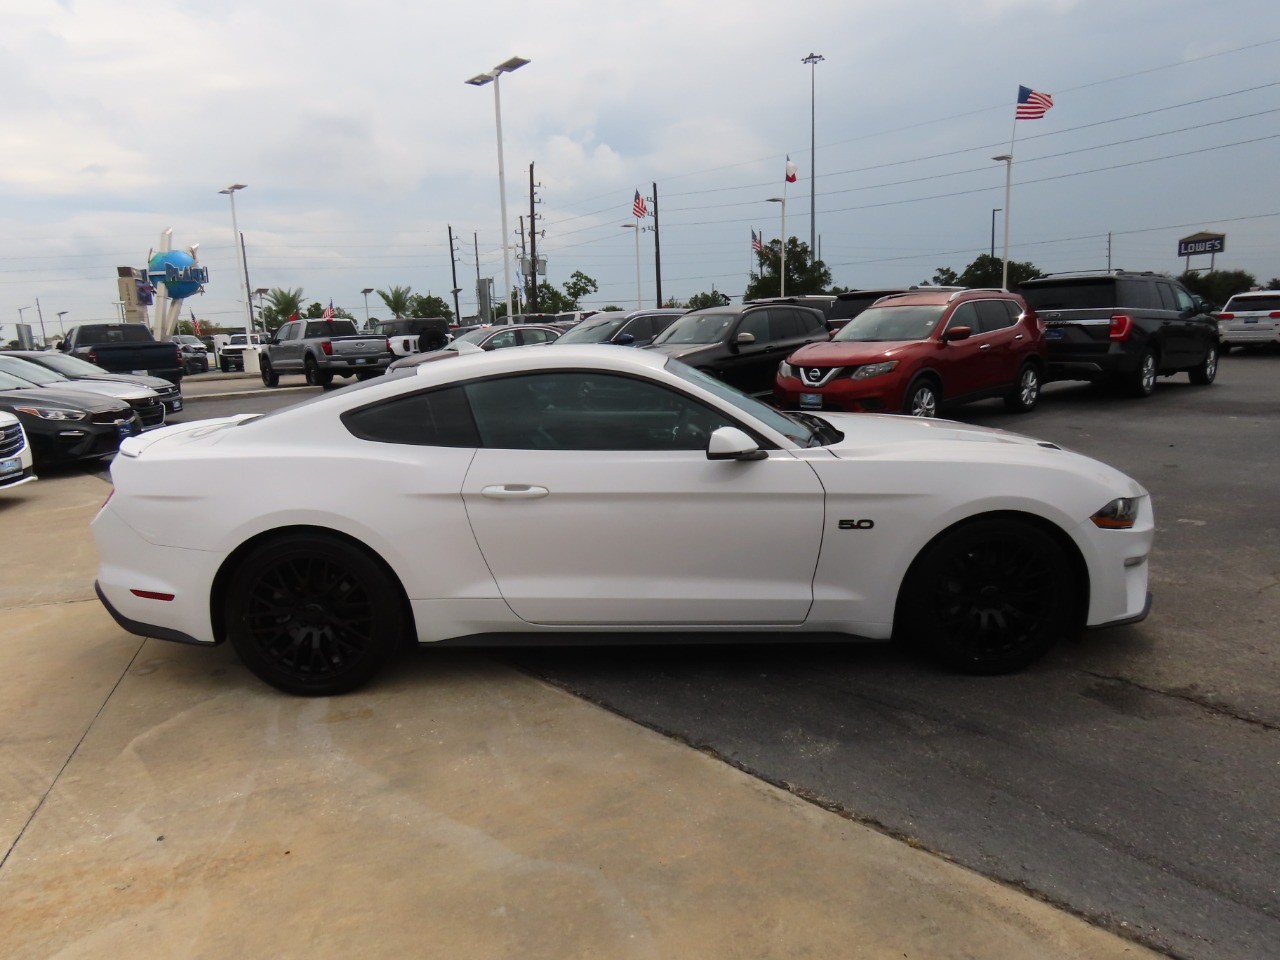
(1229,316)
(93,356)
(389,350)
(1274,315)
(327,347)
(1121,326)
(179,355)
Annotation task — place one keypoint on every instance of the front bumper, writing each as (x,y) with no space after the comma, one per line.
(842,394)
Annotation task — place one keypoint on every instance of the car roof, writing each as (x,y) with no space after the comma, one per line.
(1250,294)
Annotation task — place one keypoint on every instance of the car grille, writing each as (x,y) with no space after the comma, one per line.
(150,411)
(11,440)
(108,417)
(817,376)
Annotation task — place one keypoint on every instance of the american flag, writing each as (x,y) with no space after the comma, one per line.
(756,244)
(195,324)
(1032,105)
(639,208)
(328,312)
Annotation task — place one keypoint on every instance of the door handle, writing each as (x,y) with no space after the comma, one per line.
(514,491)
(985,346)
(1018,337)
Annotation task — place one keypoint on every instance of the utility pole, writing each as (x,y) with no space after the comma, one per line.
(1109,251)
(485,316)
(524,259)
(533,243)
(244,262)
(453,265)
(44,342)
(657,247)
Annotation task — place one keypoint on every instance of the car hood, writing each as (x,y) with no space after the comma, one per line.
(851,352)
(107,388)
(59,399)
(152,383)
(682,351)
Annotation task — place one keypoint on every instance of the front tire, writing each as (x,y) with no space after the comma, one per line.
(1204,374)
(989,596)
(269,376)
(921,400)
(313,615)
(1026,391)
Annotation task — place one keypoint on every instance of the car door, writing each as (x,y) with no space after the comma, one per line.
(593,502)
(1003,345)
(751,366)
(1198,331)
(963,364)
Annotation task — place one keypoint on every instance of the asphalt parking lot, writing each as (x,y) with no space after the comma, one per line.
(1131,779)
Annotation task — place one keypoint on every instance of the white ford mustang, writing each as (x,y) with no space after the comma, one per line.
(611,492)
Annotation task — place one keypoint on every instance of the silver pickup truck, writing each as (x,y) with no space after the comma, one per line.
(323,349)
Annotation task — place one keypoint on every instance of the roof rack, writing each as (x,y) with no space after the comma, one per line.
(976,290)
(1093,273)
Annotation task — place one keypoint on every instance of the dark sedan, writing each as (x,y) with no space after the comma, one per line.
(74,368)
(65,425)
(636,328)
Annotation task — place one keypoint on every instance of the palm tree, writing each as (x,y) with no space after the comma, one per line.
(285,303)
(397,300)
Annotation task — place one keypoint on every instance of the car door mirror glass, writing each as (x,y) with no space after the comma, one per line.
(730,443)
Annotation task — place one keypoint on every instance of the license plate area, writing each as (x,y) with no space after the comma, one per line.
(811,401)
(11,466)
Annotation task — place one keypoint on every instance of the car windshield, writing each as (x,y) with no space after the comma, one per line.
(697,328)
(802,429)
(68,366)
(594,330)
(8,382)
(892,323)
(188,338)
(31,372)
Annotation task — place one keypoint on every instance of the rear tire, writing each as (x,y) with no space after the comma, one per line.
(314,376)
(224,366)
(313,615)
(269,376)
(1204,374)
(1142,382)
(922,399)
(989,596)
(1026,391)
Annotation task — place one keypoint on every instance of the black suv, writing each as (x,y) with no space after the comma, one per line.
(742,345)
(1124,328)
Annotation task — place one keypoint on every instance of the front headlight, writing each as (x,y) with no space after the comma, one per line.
(786,370)
(45,413)
(1120,514)
(873,369)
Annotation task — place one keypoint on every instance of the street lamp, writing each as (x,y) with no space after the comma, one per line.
(244,270)
(120,304)
(782,249)
(508,66)
(994,211)
(813,60)
(1007,160)
(636,228)
(366,291)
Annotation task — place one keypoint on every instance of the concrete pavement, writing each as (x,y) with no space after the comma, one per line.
(158,801)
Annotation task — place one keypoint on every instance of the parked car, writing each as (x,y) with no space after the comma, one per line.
(323,349)
(851,303)
(124,348)
(195,355)
(742,345)
(231,355)
(1124,328)
(914,352)
(145,403)
(635,328)
(15,453)
(590,489)
(1250,320)
(75,369)
(414,334)
(484,339)
(63,425)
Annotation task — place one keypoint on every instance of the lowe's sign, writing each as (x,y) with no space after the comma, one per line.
(1199,243)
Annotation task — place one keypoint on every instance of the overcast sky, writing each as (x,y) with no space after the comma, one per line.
(360,142)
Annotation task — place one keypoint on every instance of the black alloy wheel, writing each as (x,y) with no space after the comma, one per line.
(990,596)
(315,377)
(313,614)
(1204,374)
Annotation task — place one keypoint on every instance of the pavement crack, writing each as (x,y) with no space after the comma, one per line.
(70,756)
(1187,697)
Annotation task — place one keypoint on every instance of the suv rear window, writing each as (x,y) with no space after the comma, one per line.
(1099,294)
(1252,304)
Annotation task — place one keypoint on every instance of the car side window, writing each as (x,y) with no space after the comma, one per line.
(639,327)
(965,315)
(528,337)
(507,338)
(1185,304)
(1167,300)
(810,323)
(584,410)
(785,325)
(756,323)
(433,418)
(993,315)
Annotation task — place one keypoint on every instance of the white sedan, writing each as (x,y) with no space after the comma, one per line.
(611,492)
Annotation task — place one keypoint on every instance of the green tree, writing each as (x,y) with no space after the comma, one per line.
(577,286)
(986,271)
(712,298)
(429,306)
(397,301)
(281,304)
(945,277)
(1218,286)
(803,276)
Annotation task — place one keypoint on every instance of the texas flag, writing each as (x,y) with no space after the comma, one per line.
(791,171)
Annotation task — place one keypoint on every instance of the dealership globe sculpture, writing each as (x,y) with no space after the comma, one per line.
(177,265)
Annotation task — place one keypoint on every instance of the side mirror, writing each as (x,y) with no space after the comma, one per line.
(957,333)
(730,443)
(63,346)
(625,339)
(745,338)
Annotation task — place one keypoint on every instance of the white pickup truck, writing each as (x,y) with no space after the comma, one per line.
(415,334)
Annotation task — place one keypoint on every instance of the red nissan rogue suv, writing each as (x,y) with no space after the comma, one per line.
(913,352)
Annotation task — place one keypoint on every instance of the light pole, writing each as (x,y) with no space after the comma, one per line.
(366,291)
(508,66)
(636,228)
(782,249)
(1007,160)
(813,60)
(62,328)
(244,270)
(994,211)
(120,305)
